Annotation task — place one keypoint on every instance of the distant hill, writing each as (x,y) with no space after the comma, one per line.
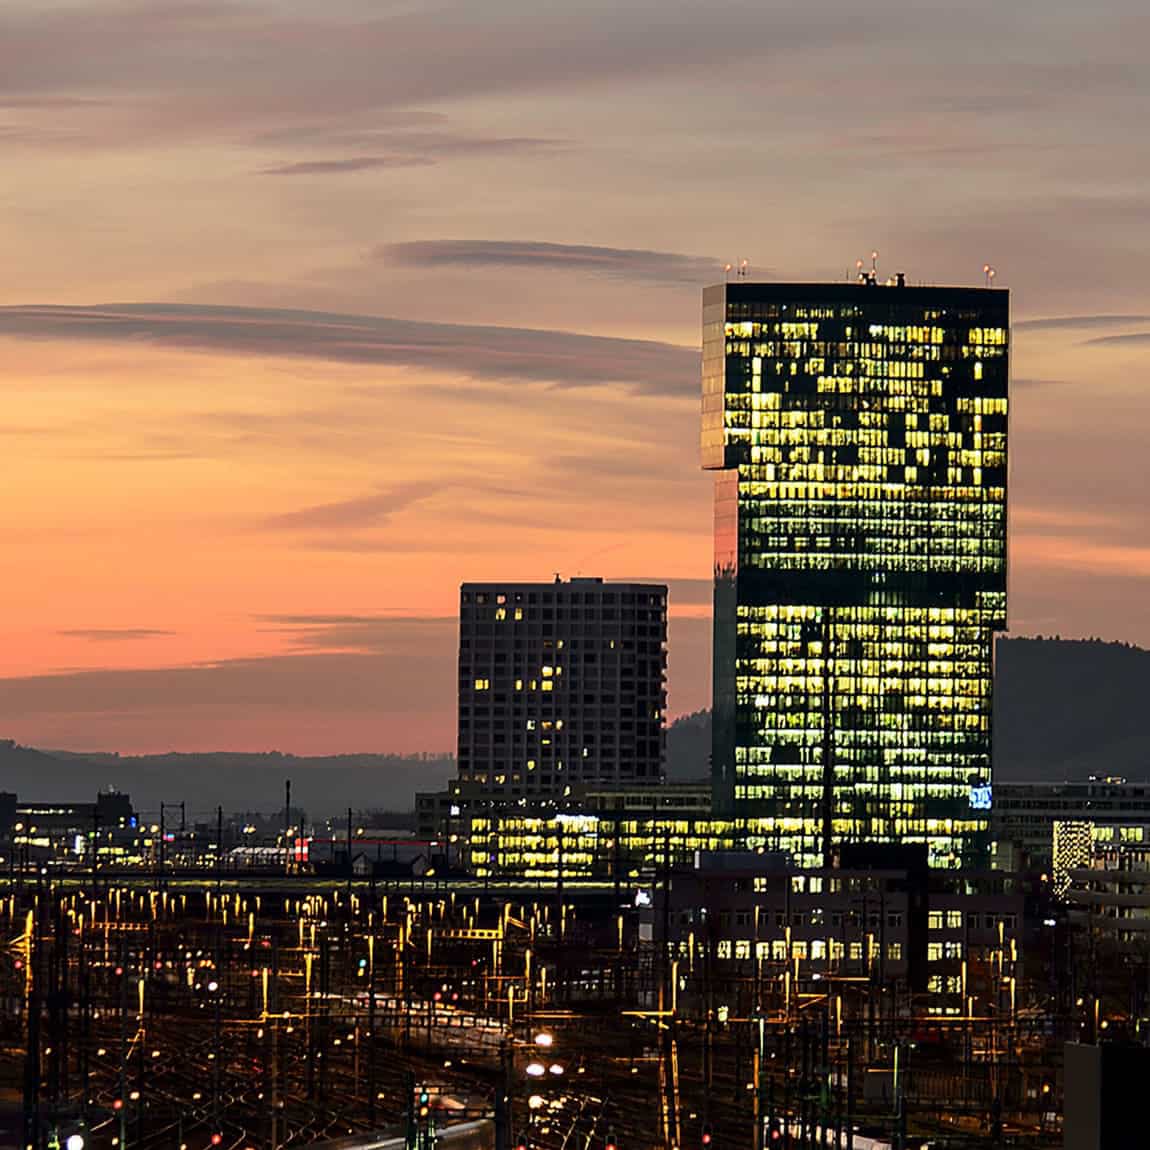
(1064,709)
(689,747)
(1068,708)
(321,785)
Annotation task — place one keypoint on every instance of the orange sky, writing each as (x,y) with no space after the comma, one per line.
(239,503)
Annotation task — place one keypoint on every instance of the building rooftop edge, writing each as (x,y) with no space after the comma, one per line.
(828,288)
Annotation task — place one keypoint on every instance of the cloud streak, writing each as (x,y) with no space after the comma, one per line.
(365,511)
(1078,322)
(347,166)
(1134,338)
(562,358)
(622,263)
(365,634)
(115,634)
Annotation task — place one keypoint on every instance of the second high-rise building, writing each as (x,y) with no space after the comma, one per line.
(561,686)
(859,435)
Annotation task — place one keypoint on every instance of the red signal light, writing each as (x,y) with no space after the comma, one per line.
(118,1104)
(217,1138)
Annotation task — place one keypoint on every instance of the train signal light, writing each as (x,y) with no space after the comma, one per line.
(611,1143)
(521,1144)
(706,1135)
(424,1102)
(775,1134)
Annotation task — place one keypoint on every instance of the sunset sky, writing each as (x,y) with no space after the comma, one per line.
(315,308)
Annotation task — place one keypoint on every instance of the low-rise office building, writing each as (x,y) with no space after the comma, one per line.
(1056,828)
(880,916)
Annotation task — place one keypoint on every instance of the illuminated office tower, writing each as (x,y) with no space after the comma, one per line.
(561,686)
(859,436)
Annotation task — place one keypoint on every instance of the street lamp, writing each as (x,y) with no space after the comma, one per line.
(536,1069)
(74,1142)
(544,1039)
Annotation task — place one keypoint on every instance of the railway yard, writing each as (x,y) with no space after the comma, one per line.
(292,1011)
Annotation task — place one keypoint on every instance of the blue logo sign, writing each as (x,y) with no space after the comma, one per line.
(980,797)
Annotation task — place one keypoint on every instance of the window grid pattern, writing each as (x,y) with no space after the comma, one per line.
(860,439)
(561,685)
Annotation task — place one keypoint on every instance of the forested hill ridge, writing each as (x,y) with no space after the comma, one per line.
(1063,709)
(1070,708)
(322,785)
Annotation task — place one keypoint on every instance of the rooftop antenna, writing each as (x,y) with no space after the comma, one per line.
(874,264)
(743,266)
(726,269)
(989,273)
(859,271)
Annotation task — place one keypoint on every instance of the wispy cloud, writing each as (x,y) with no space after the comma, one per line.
(346,166)
(364,511)
(368,634)
(115,634)
(562,358)
(623,263)
(1128,338)
(1078,322)
(380,150)
(202,68)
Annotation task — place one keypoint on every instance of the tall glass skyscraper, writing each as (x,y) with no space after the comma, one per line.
(859,437)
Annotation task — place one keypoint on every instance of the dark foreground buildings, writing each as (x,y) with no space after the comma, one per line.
(859,438)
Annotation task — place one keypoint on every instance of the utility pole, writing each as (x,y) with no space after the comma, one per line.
(219,846)
(349,868)
(32,1025)
(287,826)
(828,796)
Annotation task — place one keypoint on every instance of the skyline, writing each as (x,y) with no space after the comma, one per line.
(246,527)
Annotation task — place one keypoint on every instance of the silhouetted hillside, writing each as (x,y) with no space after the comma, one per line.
(1068,708)
(1064,708)
(689,747)
(238,782)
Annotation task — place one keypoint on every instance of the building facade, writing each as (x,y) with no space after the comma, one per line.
(950,935)
(859,439)
(561,685)
(1057,827)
